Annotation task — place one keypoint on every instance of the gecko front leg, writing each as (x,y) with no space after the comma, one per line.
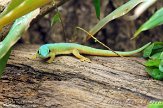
(34,56)
(76,53)
(52,57)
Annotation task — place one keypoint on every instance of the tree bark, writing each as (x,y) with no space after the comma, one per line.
(106,82)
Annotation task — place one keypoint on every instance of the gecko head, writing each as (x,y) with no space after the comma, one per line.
(43,51)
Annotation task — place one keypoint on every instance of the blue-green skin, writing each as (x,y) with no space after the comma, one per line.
(47,50)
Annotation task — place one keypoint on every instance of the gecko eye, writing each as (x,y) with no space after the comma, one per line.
(39,52)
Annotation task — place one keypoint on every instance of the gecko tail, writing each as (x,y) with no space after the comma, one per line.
(99,52)
(129,53)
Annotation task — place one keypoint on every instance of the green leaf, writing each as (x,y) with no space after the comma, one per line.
(161,56)
(154,48)
(156,55)
(3,62)
(96,4)
(13,36)
(13,4)
(55,19)
(154,62)
(20,26)
(23,8)
(155,104)
(161,66)
(155,20)
(155,73)
(161,63)
(147,52)
(154,65)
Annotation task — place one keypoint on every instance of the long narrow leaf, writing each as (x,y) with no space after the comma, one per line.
(13,36)
(3,62)
(25,7)
(55,18)
(16,31)
(155,20)
(97,6)
(13,4)
(122,10)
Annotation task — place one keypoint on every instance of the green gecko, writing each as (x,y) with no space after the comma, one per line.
(51,50)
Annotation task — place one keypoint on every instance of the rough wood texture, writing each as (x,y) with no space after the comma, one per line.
(106,82)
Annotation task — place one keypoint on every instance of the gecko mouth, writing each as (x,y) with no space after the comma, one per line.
(43,56)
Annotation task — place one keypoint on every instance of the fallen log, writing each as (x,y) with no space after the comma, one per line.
(106,82)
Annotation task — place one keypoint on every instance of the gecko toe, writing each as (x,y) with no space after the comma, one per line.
(85,59)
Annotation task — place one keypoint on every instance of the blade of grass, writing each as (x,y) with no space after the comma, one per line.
(55,18)
(96,4)
(155,20)
(3,62)
(122,10)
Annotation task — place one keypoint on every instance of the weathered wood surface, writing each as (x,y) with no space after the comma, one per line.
(106,82)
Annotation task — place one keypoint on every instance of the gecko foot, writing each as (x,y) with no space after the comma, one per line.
(33,57)
(49,61)
(85,59)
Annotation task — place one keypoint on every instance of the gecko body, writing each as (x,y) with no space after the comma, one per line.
(51,50)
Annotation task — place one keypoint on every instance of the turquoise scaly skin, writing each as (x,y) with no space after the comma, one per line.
(51,50)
